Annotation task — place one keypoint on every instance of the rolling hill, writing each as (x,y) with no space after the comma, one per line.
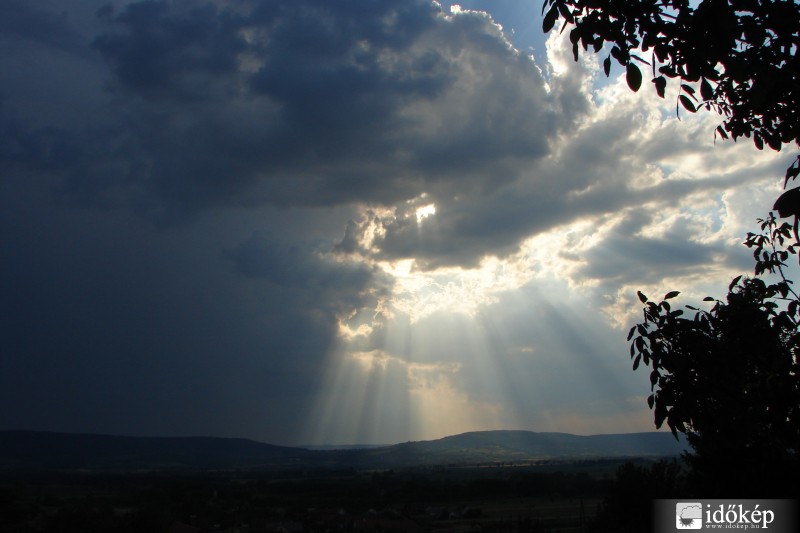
(502,446)
(44,450)
(34,449)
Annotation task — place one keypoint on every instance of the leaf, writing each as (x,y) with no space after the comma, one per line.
(708,299)
(637,361)
(688,88)
(631,333)
(661,85)
(566,13)
(550,19)
(792,172)
(687,103)
(671,294)
(607,65)
(706,91)
(634,77)
(734,282)
(651,400)
(642,297)
(774,142)
(759,142)
(660,415)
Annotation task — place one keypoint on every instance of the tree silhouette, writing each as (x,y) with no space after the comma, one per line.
(729,377)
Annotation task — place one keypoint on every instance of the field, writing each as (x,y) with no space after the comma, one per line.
(560,497)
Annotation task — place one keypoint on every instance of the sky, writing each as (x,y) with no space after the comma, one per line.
(365,221)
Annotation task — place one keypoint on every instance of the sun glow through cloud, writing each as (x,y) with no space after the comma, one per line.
(419,294)
(425,211)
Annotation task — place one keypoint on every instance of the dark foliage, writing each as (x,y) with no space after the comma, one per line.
(729,377)
(737,57)
(421,499)
(628,504)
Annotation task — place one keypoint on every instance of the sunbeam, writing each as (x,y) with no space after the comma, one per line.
(526,358)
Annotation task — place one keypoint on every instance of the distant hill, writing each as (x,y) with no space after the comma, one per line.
(44,450)
(504,446)
(35,449)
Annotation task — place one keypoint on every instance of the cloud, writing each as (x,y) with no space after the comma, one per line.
(210,219)
(312,104)
(340,288)
(626,255)
(622,154)
(165,51)
(30,23)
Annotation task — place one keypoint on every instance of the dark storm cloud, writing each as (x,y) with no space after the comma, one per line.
(318,103)
(315,103)
(172,51)
(339,287)
(28,22)
(112,325)
(195,105)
